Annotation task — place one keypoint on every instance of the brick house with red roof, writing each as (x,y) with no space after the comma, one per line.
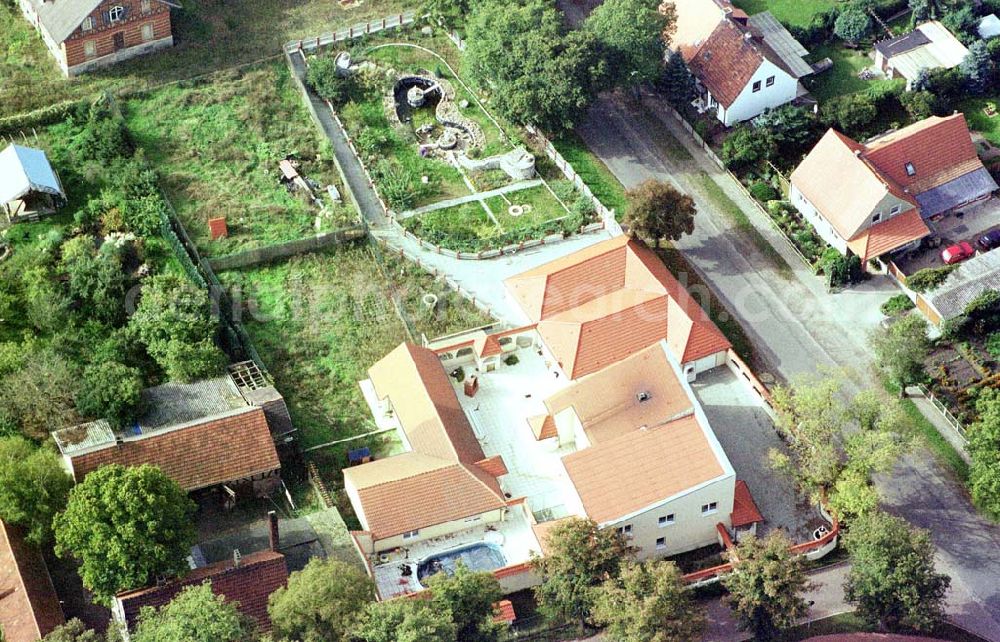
(83,35)
(29,607)
(872,199)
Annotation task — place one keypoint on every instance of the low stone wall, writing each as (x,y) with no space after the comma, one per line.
(287,249)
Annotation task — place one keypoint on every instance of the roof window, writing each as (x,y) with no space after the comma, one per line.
(910,169)
(643,396)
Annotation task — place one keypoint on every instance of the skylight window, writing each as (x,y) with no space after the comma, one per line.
(910,169)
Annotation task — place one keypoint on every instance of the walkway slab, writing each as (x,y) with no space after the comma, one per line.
(478,196)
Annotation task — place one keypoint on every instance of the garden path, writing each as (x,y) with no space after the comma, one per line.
(478,196)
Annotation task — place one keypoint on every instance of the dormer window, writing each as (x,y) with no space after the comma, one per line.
(88,23)
(895,210)
(643,396)
(877,217)
(116,13)
(910,169)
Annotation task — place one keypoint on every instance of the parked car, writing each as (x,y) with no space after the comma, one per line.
(988,241)
(957,253)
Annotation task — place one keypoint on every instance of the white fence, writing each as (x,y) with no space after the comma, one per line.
(354,31)
(943,409)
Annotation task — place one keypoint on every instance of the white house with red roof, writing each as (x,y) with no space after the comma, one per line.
(872,199)
(743,64)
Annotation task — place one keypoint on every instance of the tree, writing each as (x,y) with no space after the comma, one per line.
(919,104)
(658,211)
(766,587)
(631,35)
(984,449)
(853,25)
(793,129)
(678,82)
(648,602)
(978,68)
(322,603)
(962,22)
(892,581)
(40,394)
(111,391)
(127,526)
(580,558)
(746,147)
(74,631)
(469,597)
(323,78)
(33,487)
(451,12)
(196,614)
(900,350)
(552,77)
(406,621)
(96,277)
(174,320)
(851,113)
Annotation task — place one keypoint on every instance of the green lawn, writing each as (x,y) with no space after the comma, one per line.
(321,320)
(594,173)
(789,12)
(843,77)
(217,146)
(979,121)
(208,36)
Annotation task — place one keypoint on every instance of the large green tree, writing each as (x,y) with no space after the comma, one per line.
(534,71)
(33,487)
(127,526)
(984,448)
(323,602)
(579,557)
(648,602)
(892,581)
(196,614)
(406,621)
(900,350)
(469,596)
(631,34)
(174,319)
(96,277)
(766,587)
(853,24)
(111,391)
(677,82)
(39,396)
(75,631)
(658,211)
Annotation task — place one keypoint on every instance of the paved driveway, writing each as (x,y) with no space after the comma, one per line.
(797,327)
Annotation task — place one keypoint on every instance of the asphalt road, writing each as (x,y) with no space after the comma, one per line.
(797,327)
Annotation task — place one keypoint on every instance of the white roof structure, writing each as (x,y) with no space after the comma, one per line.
(989,26)
(970,279)
(929,46)
(24,170)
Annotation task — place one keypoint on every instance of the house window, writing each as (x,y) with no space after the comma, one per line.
(756,86)
(473,519)
(876,217)
(910,169)
(146,6)
(708,509)
(625,530)
(88,23)
(666,520)
(411,534)
(89,48)
(116,13)
(661,543)
(147,32)
(894,210)
(770,81)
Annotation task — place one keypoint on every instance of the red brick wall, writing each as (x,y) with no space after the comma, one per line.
(131,27)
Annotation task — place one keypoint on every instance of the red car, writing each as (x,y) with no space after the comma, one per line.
(957,253)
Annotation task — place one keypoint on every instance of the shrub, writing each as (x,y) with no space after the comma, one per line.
(323,79)
(511,360)
(853,24)
(897,305)
(747,146)
(928,278)
(763,192)
(993,345)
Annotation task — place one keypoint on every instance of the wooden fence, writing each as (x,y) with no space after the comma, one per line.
(352,32)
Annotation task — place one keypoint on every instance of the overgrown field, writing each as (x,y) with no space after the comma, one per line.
(321,320)
(208,35)
(217,146)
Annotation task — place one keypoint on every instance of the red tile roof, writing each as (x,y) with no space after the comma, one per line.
(217,228)
(726,62)
(249,585)
(889,235)
(198,455)
(599,305)
(504,612)
(29,607)
(745,511)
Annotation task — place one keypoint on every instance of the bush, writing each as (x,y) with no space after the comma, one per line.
(763,192)
(511,360)
(852,25)
(928,278)
(842,270)
(993,345)
(852,114)
(897,305)
(322,78)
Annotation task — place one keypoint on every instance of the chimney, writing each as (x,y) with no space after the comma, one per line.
(275,540)
(857,153)
(748,36)
(237,558)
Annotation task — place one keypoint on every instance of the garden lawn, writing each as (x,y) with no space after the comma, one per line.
(842,78)
(789,12)
(217,146)
(207,35)
(319,321)
(979,121)
(593,172)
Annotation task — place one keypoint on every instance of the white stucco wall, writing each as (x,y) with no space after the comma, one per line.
(814,218)
(750,103)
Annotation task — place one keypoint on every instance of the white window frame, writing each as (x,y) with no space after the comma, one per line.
(769,82)
(625,530)
(710,508)
(666,520)
(146,6)
(756,86)
(877,216)
(894,210)
(90,48)
(411,534)
(147,32)
(116,13)
(911,169)
(661,543)
(88,23)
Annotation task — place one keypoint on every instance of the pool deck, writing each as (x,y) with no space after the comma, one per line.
(518,540)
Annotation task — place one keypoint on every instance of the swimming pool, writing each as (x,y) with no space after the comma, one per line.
(477,557)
